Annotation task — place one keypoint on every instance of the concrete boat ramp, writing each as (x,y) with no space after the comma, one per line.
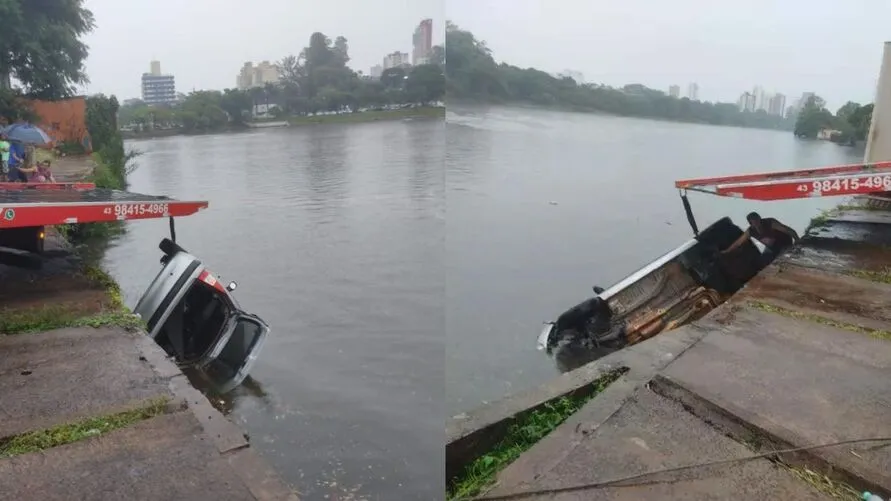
(184,450)
(800,358)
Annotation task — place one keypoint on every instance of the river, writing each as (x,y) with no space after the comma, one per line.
(335,237)
(384,272)
(542,205)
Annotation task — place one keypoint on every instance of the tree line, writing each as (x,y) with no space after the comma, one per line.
(315,80)
(849,125)
(472,74)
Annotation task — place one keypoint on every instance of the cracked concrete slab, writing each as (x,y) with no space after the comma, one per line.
(650,433)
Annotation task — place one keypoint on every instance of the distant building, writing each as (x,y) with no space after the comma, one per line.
(693,91)
(422,42)
(577,76)
(157,88)
(395,60)
(746,102)
(257,76)
(777,105)
(674,91)
(376,71)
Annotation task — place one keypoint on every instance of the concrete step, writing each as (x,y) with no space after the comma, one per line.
(648,433)
(802,382)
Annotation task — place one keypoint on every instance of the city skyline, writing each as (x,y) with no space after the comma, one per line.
(724,49)
(207,55)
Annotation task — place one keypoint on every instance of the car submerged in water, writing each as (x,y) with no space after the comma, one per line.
(197,321)
(677,288)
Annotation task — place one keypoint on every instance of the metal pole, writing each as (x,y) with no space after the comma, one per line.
(172,230)
(689,211)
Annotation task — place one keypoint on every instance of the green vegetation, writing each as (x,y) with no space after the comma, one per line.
(523,433)
(882,277)
(317,80)
(42,47)
(111,313)
(832,488)
(472,74)
(850,123)
(65,434)
(875,333)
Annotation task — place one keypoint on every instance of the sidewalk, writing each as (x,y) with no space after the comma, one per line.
(800,357)
(182,449)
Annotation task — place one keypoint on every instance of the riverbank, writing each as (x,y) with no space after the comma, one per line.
(795,360)
(470,103)
(86,391)
(361,117)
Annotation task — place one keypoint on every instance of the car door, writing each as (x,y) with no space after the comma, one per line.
(232,358)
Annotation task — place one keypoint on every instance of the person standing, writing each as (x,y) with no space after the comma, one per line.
(4,157)
(16,160)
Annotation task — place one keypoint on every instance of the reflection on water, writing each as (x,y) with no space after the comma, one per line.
(543,205)
(335,237)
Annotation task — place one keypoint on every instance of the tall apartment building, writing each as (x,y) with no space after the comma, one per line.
(674,91)
(762,98)
(395,60)
(257,76)
(693,91)
(747,102)
(777,105)
(157,88)
(376,71)
(422,42)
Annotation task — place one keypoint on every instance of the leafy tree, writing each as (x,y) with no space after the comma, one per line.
(393,78)
(425,83)
(812,118)
(41,47)
(472,73)
(860,119)
(235,103)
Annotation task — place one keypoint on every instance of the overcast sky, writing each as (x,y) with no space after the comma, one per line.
(830,47)
(204,43)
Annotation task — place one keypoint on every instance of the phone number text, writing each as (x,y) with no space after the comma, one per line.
(123,211)
(828,186)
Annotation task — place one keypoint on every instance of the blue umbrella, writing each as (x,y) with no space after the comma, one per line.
(27,133)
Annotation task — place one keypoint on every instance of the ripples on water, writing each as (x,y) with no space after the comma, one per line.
(515,260)
(335,236)
(346,241)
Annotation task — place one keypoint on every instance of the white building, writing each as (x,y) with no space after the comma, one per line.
(396,59)
(257,76)
(747,102)
(693,92)
(674,91)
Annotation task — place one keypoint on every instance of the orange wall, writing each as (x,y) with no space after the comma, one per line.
(64,120)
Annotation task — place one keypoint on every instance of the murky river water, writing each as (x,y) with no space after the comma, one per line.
(335,237)
(514,259)
(384,272)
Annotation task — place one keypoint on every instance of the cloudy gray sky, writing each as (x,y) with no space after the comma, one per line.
(830,47)
(205,42)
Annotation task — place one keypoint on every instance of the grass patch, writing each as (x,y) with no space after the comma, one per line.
(824,484)
(521,435)
(822,219)
(36,441)
(370,116)
(882,277)
(49,317)
(875,333)
(57,317)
